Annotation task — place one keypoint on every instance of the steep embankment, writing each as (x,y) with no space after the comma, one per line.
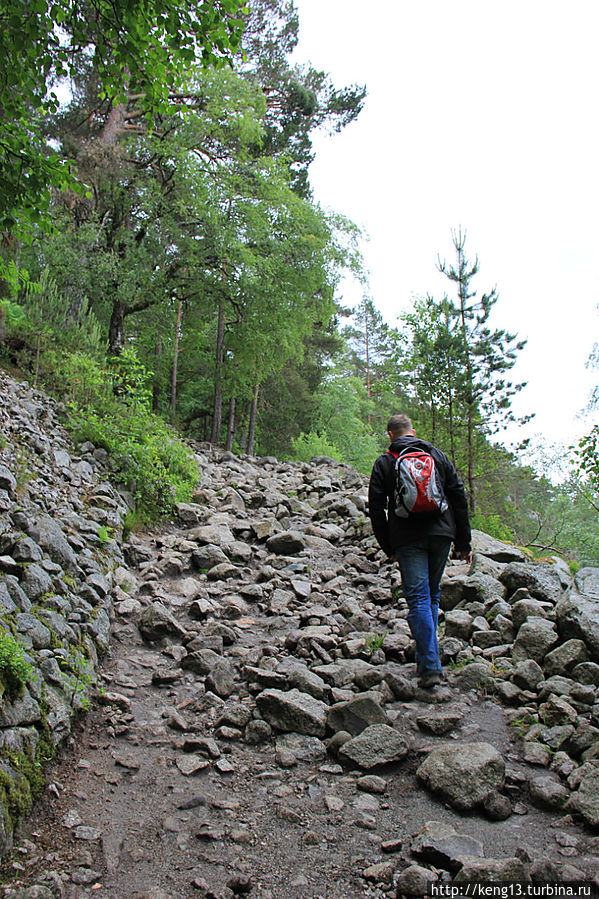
(57,514)
(259,730)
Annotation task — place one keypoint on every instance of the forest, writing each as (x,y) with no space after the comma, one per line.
(167,272)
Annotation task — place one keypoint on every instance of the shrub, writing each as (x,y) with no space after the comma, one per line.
(313,444)
(492,525)
(15,670)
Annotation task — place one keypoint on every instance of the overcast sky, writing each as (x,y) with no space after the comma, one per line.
(481,115)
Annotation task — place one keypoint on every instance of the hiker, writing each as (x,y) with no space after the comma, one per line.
(417,528)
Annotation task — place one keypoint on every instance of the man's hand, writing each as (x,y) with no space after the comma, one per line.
(464,556)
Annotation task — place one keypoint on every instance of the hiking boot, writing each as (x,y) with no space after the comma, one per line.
(429,679)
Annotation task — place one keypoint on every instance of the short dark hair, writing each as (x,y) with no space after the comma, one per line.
(399,425)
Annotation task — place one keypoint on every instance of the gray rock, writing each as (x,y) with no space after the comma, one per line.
(493,870)
(415,881)
(548,792)
(21,712)
(585,799)
(35,633)
(587,673)
(438,723)
(189,513)
(206,557)
(345,672)
(377,745)
(401,687)
(464,774)
(501,552)
(99,628)
(27,550)
(441,845)
(528,674)
(541,581)
(36,582)
(7,480)
(293,711)
(8,565)
(221,679)
(527,607)
(7,604)
(156,622)
(458,623)
(257,732)
(565,657)
(587,582)
(475,676)
(287,543)
(215,534)
(201,661)
(52,539)
(308,682)
(535,638)
(371,783)
(467,589)
(578,616)
(356,714)
(304,748)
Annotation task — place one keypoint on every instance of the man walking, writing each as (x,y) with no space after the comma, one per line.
(419,541)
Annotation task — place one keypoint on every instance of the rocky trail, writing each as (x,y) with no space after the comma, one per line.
(256,728)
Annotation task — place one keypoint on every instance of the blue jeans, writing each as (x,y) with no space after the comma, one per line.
(421,564)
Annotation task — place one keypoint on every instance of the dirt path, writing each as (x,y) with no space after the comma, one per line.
(158,797)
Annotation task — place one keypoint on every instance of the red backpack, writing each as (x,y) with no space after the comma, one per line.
(418,489)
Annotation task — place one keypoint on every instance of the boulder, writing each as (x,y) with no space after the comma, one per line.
(356,714)
(7,480)
(155,622)
(441,845)
(464,774)
(293,711)
(287,543)
(585,800)
(541,581)
(535,638)
(377,745)
(493,870)
(501,552)
(52,539)
(578,616)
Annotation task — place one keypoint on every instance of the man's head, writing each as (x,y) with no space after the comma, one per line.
(399,426)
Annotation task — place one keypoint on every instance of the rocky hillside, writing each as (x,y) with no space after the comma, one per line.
(258,728)
(58,514)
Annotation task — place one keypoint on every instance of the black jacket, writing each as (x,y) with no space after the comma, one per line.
(391,531)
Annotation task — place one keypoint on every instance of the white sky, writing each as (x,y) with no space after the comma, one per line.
(481,115)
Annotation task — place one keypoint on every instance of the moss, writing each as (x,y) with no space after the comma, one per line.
(16,791)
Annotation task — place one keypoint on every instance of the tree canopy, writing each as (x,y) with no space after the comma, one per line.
(134,45)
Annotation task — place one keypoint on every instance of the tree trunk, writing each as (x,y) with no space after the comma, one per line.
(176,359)
(231,425)
(252,423)
(217,415)
(116,330)
(471,480)
(156,381)
(114,124)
